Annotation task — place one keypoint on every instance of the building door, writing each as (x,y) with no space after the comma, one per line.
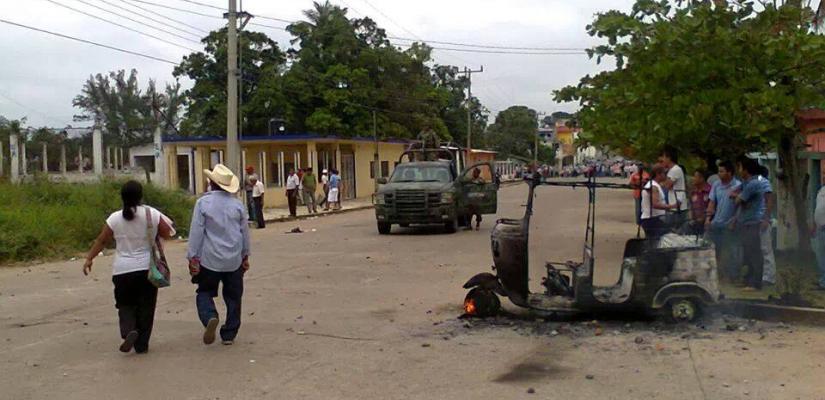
(183,171)
(348,175)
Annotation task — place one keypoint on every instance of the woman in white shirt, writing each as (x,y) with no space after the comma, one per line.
(135,296)
(653,205)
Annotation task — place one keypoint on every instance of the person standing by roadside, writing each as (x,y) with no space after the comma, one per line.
(299,195)
(135,296)
(818,241)
(654,208)
(674,186)
(473,207)
(258,190)
(292,184)
(308,185)
(219,253)
(766,233)
(638,180)
(325,187)
(719,219)
(751,202)
(334,190)
(699,199)
(248,187)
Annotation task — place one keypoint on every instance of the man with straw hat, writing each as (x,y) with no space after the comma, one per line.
(219,253)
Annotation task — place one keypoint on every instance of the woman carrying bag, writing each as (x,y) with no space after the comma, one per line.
(139,267)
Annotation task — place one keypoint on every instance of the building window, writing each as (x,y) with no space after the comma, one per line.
(372,169)
(145,162)
(385,169)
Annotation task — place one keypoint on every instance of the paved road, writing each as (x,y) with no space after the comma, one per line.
(343,313)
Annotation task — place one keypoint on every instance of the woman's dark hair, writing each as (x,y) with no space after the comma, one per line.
(132,194)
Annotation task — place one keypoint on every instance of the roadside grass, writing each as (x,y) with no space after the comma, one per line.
(44,220)
(796,278)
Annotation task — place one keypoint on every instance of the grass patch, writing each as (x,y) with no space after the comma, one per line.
(46,220)
(796,281)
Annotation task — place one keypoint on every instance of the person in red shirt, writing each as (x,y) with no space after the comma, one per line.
(637,180)
(699,199)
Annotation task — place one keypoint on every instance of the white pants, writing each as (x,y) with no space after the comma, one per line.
(333,195)
(769,268)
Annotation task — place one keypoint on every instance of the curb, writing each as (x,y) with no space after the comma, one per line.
(319,215)
(774,313)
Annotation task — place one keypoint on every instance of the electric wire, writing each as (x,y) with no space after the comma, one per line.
(151,19)
(165,17)
(136,21)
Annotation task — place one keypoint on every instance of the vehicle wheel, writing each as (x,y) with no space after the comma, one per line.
(481,303)
(683,310)
(452,226)
(384,228)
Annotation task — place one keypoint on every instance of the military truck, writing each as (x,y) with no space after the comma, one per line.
(426,188)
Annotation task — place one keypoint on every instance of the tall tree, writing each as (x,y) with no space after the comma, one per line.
(126,112)
(262,63)
(513,133)
(711,78)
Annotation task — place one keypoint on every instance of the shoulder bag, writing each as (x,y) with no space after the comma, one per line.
(159,273)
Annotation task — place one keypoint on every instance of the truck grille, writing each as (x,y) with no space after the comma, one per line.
(413,202)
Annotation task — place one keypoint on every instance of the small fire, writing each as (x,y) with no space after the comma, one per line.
(470,306)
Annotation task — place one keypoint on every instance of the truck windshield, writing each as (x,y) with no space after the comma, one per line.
(418,173)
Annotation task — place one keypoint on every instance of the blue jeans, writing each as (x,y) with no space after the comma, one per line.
(207,290)
(818,244)
(728,252)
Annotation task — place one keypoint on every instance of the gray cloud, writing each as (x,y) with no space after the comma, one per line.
(42,73)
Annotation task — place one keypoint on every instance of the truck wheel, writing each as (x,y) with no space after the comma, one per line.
(683,310)
(384,228)
(451,226)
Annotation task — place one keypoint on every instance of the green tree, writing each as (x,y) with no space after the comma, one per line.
(711,78)
(128,114)
(262,63)
(513,133)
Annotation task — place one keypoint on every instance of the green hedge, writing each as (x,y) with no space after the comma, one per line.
(43,220)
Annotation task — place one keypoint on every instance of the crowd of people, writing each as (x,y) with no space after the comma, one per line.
(301,187)
(730,205)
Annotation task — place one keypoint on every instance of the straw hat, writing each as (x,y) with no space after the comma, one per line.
(224,178)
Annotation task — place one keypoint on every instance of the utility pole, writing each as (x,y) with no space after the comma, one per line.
(469,73)
(233,150)
(536,144)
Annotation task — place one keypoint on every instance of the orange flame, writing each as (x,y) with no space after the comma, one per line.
(470,307)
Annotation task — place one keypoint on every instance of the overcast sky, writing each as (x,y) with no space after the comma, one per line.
(40,73)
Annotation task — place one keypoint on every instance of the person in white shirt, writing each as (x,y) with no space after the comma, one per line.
(654,208)
(674,186)
(258,190)
(135,296)
(293,184)
(819,235)
(325,183)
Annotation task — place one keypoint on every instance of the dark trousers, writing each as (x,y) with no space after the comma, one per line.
(654,227)
(752,254)
(475,210)
(259,211)
(135,299)
(292,200)
(250,205)
(207,290)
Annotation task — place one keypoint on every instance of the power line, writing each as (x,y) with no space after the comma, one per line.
(134,53)
(531,53)
(490,46)
(120,25)
(178,9)
(204,5)
(165,17)
(150,18)
(136,21)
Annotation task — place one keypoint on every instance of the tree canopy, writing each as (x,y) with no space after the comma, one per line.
(714,79)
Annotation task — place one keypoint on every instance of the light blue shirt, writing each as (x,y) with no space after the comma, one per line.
(334,181)
(725,206)
(219,235)
(766,188)
(753,202)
